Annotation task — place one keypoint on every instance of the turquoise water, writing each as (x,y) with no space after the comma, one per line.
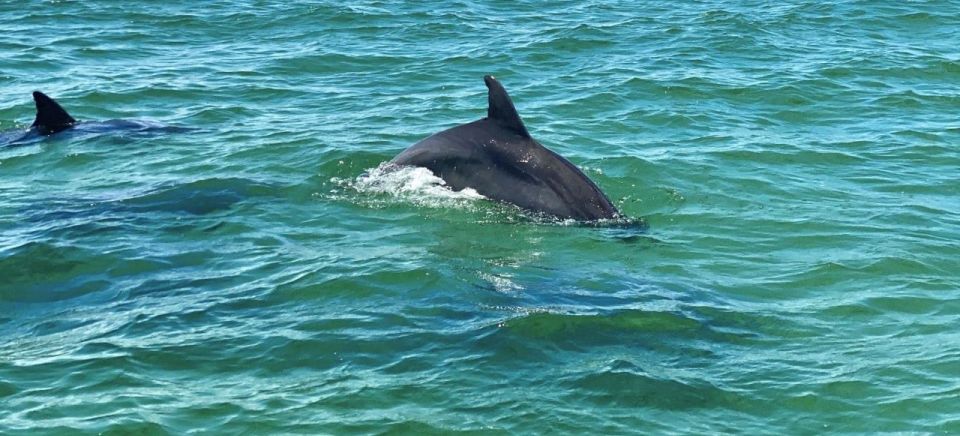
(796,165)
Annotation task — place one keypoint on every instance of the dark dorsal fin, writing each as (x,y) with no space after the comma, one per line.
(51,118)
(501,108)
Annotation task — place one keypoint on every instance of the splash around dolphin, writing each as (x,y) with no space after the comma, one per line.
(497,157)
(52,119)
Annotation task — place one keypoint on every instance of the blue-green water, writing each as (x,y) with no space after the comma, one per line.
(796,164)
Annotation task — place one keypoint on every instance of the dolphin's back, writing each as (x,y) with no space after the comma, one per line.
(504,164)
(51,117)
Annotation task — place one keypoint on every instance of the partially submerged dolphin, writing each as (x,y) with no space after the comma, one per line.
(53,118)
(498,158)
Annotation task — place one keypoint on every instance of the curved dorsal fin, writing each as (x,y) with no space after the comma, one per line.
(51,118)
(501,108)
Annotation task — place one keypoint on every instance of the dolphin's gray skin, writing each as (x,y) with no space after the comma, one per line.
(497,157)
(52,119)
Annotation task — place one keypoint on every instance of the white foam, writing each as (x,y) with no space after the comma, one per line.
(413,184)
(502,283)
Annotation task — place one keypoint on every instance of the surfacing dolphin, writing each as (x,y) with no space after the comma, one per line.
(498,158)
(53,118)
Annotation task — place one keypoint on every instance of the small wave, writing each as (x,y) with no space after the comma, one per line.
(39,272)
(590,328)
(626,384)
(199,197)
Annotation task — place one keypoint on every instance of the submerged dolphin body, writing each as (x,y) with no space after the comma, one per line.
(53,118)
(498,158)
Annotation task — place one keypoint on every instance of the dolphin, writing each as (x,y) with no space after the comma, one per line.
(52,119)
(497,157)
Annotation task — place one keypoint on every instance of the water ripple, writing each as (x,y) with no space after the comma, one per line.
(794,166)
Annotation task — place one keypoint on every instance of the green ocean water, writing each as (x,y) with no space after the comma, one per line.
(796,164)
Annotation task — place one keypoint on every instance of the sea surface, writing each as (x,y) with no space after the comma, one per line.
(252,268)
